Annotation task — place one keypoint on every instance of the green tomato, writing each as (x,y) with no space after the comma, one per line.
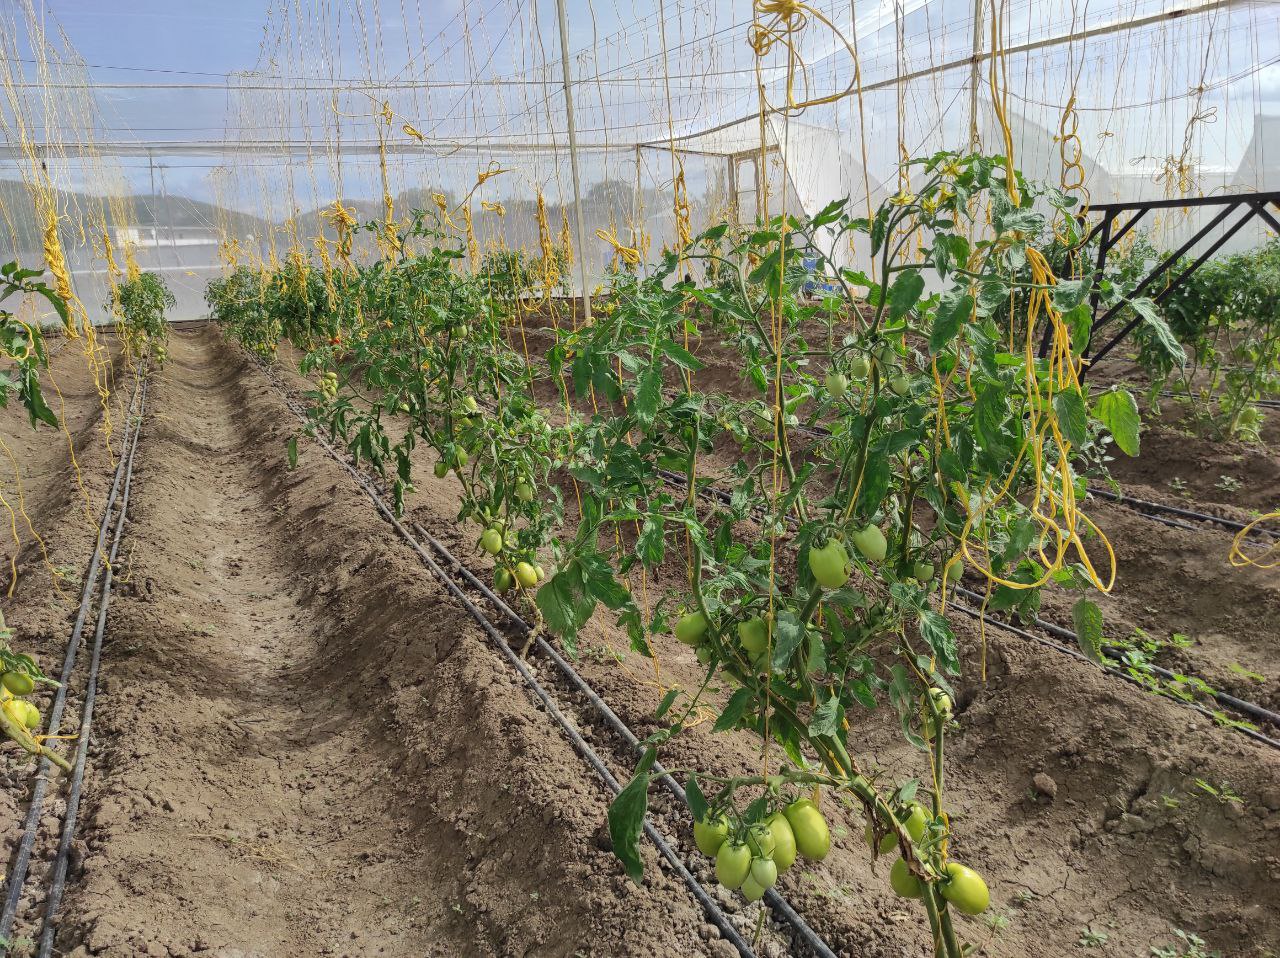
(965,889)
(460,459)
(904,883)
(830,564)
(502,579)
(462,332)
(18,683)
(942,702)
(887,843)
(703,654)
(31,714)
(754,635)
(524,492)
(526,575)
(764,872)
(491,541)
(761,841)
(916,822)
(900,384)
(813,838)
(837,385)
(16,711)
(784,841)
(859,367)
(922,571)
(691,628)
(469,404)
(733,864)
(711,834)
(538,571)
(441,469)
(954,570)
(751,891)
(870,541)
(886,355)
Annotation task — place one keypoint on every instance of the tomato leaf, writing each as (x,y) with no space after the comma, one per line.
(1073,419)
(697,801)
(734,710)
(935,631)
(905,293)
(681,356)
(1118,411)
(651,546)
(565,602)
(648,395)
(786,638)
(829,213)
(1087,618)
(826,718)
(1161,334)
(599,581)
(956,307)
(667,701)
(626,817)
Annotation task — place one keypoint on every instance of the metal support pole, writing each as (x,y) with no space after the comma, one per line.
(975,75)
(573,159)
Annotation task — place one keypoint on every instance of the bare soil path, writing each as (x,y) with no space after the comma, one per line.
(308,749)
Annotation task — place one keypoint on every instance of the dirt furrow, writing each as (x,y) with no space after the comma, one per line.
(307,749)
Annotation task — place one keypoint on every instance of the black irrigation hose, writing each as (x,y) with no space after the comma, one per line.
(1265,403)
(58,883)
(1144,505)
(709,904)
(772,898)
(1248,708)
(22,858)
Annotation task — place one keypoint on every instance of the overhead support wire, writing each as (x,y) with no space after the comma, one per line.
(978,56)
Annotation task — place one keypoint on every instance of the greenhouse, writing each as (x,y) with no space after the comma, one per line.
(688,477)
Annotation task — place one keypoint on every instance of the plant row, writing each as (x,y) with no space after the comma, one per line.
(952,443)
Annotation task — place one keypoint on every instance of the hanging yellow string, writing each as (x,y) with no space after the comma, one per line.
(779,22)
(473,248)
(1269,559)
(1052,505)
(628,254)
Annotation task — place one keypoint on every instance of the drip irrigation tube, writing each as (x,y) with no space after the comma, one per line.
(1144,504)
(709,904)
(772,898)
(58,883)
(1265,403)
(1229,701)
(22,858)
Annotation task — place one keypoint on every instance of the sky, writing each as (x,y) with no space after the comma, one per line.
(188,50)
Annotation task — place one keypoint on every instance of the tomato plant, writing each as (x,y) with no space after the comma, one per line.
(1228,315)
(903,425)
(140,302)
(22,344)
(944,436)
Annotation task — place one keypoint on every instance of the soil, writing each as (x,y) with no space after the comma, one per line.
(304,746)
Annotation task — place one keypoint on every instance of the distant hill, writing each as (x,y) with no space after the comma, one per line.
(83,212)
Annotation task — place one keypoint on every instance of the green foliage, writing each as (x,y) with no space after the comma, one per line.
(1227,317)
(22,343)
(140,303)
